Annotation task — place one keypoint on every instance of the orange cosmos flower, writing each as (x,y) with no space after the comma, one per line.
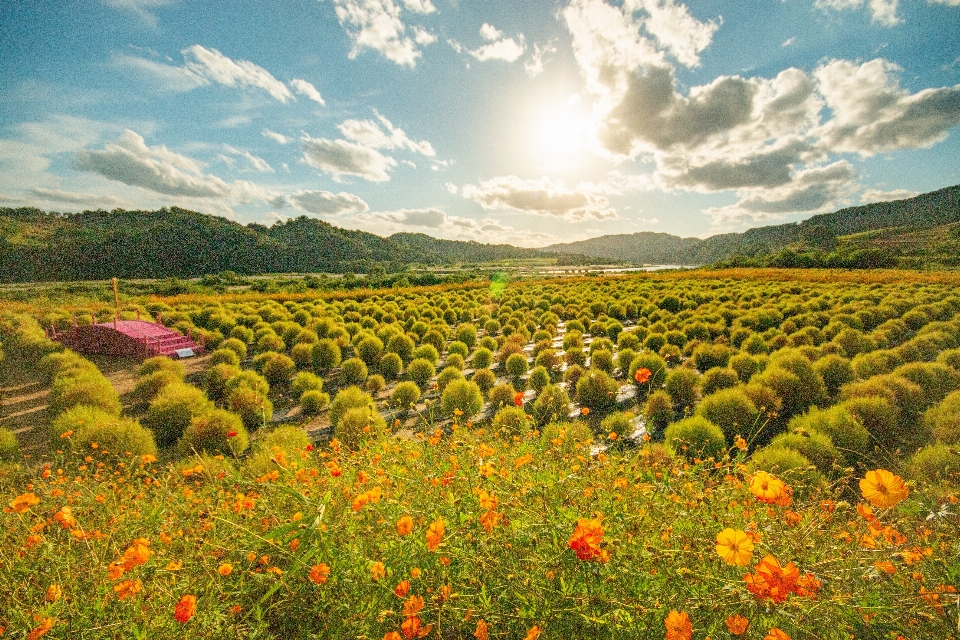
(377,571)
(392,635)
(586,540)
(435,534)
(776,634)
(45,625)
(678,626)
(22,503)
(185,609)
(481,633)
(883,489)
(522,460)
(148,458)
(532,633)
(642,375)
(411,627)
(735,547)
(54,593)
(518,399)
(413,606)
(225,569)
(127,589)
(585,411)
(771,580)
(319,573)
(65,517)
(767,488)
(404,525)
(736,624)
(402,589)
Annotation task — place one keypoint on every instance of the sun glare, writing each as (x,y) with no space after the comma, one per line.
(558,136)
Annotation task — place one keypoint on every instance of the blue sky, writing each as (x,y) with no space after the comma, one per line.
(522,122)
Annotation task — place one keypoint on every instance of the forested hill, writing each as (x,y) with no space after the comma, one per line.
(92,245)
(895,226)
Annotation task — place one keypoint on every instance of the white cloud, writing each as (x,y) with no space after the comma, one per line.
(423,37)
(542,197)
(72,197)
(304,88)
(202,67)
(140,8)
(498,47)
(949,3)
(323,202)
(429,218)
(256,162)
(369,134)
(878,195)
(883,12)
(617,183)
(339,157)
(674,28)
(873,114)
(419,6)
(534,66)
(273,135)
(788,42)
(131,161)
(213,65)
(376,24)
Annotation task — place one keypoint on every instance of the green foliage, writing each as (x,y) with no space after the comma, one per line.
(87,425)
(551,405)
(225,356)
(172,409)
(659,412)
(279,371)
(539,378)
(350,398)
(359,426)
(733,411)
(369,350)
(879,416)
(402,345)
(657,367)
(718,378)
(306,381)
(420,371)
(325,354)
(502,396)
(448,375)
(390,366)
(943,420)
(815,447)
(935,463)
(619,422)
(683,385)
(840,424)
(455,360)
(353,371)
(935,379)
(88,387)
(461,395)
(405,395)
(253,407)
(9,447)
(516,365)
(835,371)
(708,356)
(313,401)
(596,390)
(795,382)
(695,437)
(788,464)
(149,386)
(160,363)
(427,352)
(216,432)
(510,421)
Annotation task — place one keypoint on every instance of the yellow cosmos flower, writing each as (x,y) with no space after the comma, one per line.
(883,489)
(735,547)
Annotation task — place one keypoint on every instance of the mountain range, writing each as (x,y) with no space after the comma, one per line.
(93,245)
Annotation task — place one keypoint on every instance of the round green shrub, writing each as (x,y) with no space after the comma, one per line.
(602,359)
(596,390)
(172,409)
(325,354)
(225,356)
(111,433)
(659,412)
(215,380)
(306,381)
(502,396)
(359,426)
(935,379)
(405,395)
(744,364)
(867,365)
(448,375)
(402,345)
(249,379)
(350,398)
(575,357)
(461,395)
(375,384)
(838,423)
(467,334)
(160,363)
(390,366)
(793,379)
(654,342)
(420,371)
(683,385)
(619,422)
(708,356)
(149,386)
(951,358)
(9,447)
(733,411)
(353,371)
(835,371)
(879,416)
(237,346)
(455,360)
(427,352)
(312,401)
(657,367)
(485,379)
(718,378)
(215,432)
(280,447)
(482,358)
(510,421)
(789,465)
(551,405)
(934,463)
(539,378)
(943,420)
(302,355)
(243,334)
(253,407)
(815,447)
(279,371)
(369,350)
(755,345)
(270,342)
(89,388)
(516,365)
(459,347)
(695,437)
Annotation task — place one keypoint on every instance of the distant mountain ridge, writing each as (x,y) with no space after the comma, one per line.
(932,209)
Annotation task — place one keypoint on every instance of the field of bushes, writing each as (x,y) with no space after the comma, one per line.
(757,454)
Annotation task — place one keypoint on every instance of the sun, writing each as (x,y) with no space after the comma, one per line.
(558,136)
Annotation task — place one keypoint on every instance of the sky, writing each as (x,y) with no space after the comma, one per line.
(527,123)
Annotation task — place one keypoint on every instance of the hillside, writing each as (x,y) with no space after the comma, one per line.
(458,251)
(823,233)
